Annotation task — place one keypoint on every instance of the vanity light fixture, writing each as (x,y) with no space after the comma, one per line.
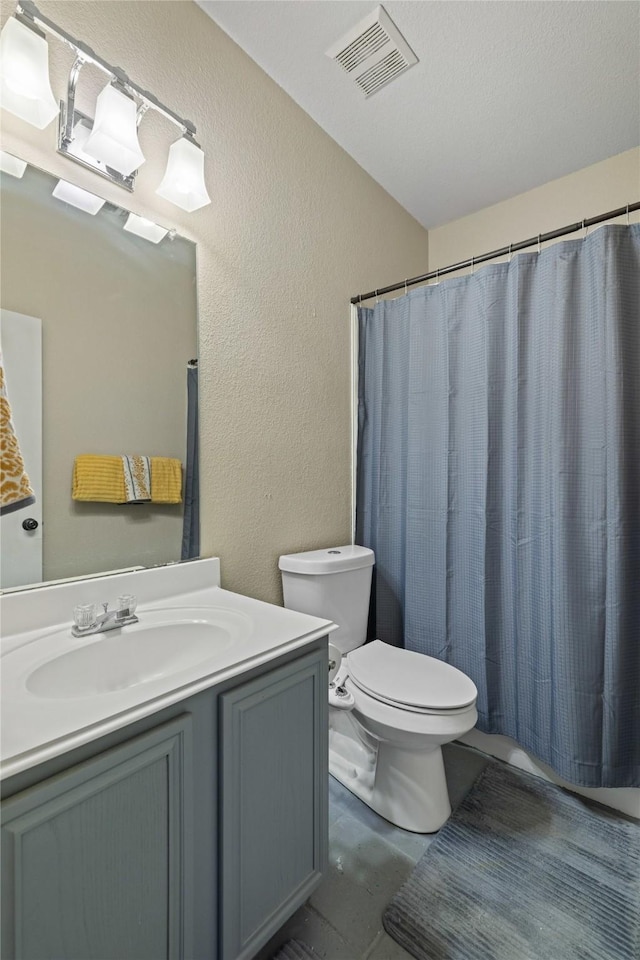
(76,148)
(24,73)
(114,137)
(109,144)
(145,228)
(183,182)
(12,165)
(77,197)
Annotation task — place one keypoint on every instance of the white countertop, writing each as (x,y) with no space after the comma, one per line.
(37,727)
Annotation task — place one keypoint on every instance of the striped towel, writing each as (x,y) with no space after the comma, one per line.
(125,479)
(166,480)
(15,488)
(99,479)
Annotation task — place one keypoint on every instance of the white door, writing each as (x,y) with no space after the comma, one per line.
(21,344)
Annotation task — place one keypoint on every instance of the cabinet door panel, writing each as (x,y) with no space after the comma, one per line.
(96,856)
(274,790)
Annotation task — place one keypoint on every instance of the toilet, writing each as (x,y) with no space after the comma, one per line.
(390,709)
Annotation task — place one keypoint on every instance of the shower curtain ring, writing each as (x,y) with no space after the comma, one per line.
(377,301)
(473,265)
(585,230)
(405,283)
(510,252)
(627,214)
(539,242)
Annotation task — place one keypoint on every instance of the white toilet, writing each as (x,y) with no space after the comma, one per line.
(390,709)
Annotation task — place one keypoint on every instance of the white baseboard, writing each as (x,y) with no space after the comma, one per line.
(625,799)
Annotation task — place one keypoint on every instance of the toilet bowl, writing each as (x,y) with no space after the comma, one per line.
(405,706)
(390,709)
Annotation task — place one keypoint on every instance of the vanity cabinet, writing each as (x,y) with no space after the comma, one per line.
(194,833)
(95,857)
(273,811)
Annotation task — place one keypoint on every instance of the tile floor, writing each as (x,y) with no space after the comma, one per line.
(369,859)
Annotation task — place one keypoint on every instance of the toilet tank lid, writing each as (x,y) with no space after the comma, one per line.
(330,560)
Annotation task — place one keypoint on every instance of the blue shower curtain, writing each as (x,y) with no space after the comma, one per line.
(499,486)
(191,518)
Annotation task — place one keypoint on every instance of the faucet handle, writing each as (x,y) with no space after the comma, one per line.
(105,607)
(127,604)
(84,615)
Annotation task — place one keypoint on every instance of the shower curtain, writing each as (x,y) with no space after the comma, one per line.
(191,518)
(499,486)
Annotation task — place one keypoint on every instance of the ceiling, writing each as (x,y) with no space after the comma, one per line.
(505,96)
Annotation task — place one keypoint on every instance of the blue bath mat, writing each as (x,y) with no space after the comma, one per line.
(523,871)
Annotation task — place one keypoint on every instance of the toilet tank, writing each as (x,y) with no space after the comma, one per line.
(334,584)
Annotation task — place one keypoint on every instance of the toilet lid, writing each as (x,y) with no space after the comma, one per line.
(409,679)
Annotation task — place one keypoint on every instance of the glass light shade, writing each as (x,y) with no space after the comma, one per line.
(24,75)
(145,228)
(183,182)
(77,197)
(114,137)
(12,165)
(81,133)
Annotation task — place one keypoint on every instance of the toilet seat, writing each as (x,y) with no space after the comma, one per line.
(392,721)
(410,681)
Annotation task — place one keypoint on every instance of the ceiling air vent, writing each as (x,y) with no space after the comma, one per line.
(374,52)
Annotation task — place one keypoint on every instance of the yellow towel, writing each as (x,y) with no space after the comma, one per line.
(98,478)
(101,479)
(166,480)
(15,488)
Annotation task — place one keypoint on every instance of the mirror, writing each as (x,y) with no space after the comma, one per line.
(116,317)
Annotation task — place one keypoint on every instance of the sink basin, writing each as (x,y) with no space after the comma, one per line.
(160,645)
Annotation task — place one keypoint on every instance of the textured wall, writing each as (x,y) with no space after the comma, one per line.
(294,230)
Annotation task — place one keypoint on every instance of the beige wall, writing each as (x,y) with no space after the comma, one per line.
(294,230)
(603,186)
(118,328)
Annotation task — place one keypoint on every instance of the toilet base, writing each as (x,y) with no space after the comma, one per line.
(406,787)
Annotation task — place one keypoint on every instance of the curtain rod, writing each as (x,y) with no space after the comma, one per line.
(502,252)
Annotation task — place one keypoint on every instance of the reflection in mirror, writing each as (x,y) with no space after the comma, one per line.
(112,319)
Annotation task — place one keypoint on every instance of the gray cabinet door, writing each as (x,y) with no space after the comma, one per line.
(95,859)
(273,839)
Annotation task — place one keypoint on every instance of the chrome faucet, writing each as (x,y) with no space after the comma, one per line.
(87,623)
